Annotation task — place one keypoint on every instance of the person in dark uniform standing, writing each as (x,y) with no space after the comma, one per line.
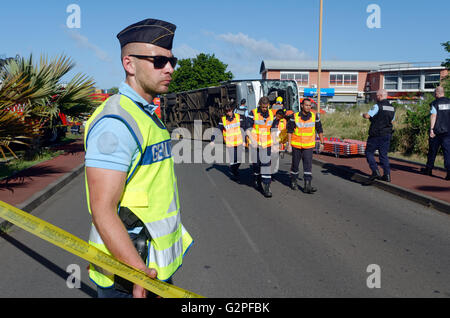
(439,131)
(301,129)
(381,117)
(260,122)
(231,127)
(242,109)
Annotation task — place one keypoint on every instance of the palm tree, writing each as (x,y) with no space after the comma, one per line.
(46,96)
(13,127)
(39,90)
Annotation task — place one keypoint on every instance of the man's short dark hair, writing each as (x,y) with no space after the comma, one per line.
(305,99)
(227,108)
(264,100)
(243,101)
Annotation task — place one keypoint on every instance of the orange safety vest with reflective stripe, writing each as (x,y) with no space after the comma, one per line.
(261,129)
(275,108)
(232,135)
(304,135)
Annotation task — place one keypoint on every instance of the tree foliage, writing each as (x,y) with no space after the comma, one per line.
(43,95)
(38,91)
(202,71)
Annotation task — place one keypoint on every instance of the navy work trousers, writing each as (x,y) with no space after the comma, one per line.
(261,163)
(441,140)
(380,143)
(306,155)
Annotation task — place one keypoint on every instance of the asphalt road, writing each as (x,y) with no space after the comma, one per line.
(292,245)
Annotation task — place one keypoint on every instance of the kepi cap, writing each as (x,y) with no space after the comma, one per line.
(157,32)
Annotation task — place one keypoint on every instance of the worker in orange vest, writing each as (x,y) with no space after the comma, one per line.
(277,106)
(261,122)
(280,139)
(302,130)
(281,124)
(230,124)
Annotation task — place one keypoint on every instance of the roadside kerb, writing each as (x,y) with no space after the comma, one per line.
(39,197)
(389,187)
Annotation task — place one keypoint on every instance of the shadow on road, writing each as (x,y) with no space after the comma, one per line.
(19,180)
(432,188)
(345,172)
(47,263)
(246,175)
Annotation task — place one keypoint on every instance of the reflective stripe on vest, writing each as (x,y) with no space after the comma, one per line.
(389,108)
(282,125)
(275,108)
(261,129)
(232,134)
(304,135)
(150,192)
(241,111)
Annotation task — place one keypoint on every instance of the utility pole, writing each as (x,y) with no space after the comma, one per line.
(319,66)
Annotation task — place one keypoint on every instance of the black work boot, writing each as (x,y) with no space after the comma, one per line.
(426,171)
(294,185)
(266,190)
(375,175)
(257,182)
(235,174)
(386,177)
(308,187)
(447,177)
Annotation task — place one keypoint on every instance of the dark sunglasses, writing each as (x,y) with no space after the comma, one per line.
(159,61)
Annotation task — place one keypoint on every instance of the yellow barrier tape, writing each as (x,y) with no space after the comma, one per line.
(77,246)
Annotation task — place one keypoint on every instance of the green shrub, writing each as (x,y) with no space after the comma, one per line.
(412,136)
(411,126)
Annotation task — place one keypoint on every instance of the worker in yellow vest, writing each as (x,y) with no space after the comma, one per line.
(277,106)
(260,122)
(131,186)
(302,130)
(281,124)
(280,139)
(232,127)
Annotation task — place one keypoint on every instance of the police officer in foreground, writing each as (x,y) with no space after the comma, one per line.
(381,117)
(132,193)
(439,131)
(301,129)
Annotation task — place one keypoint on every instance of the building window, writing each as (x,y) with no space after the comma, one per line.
(390,82)
(301,78)
(432,80)
(343,79)
(411,81)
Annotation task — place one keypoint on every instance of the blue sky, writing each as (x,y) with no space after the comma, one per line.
(240,33)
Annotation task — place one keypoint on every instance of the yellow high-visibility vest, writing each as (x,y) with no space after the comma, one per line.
(261,129)
(151,191)
(304,135)
(232,135)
